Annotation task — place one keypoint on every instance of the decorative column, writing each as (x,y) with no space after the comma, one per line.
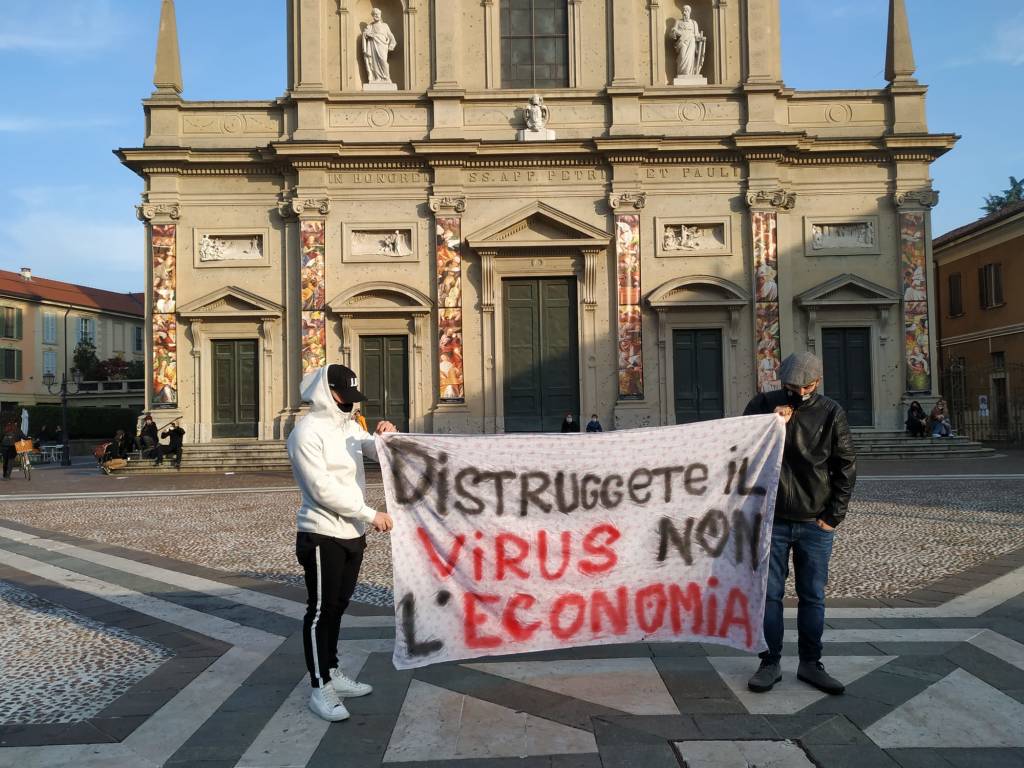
(450,365)
(765,205)
(630,319)
(591,394)
(163,248)
(312,281)
(196,332)
(914,228)
(656,37)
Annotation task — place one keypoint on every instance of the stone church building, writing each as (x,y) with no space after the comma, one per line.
(498,212)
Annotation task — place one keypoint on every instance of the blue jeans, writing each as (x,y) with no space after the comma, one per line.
(812,548)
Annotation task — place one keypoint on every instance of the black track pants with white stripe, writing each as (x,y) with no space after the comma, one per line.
(332,570)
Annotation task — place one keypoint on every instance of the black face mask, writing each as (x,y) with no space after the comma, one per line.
(795,399)
(346,407)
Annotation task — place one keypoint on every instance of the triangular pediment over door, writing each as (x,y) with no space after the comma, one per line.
(230,302)
(538,225)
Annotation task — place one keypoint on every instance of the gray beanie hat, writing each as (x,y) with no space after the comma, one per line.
(800,369)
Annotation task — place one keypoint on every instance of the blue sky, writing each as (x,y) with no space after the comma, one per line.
(76,70)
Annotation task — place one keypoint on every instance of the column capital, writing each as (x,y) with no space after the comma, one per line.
(779,199)
(147,212)
(295,205)
(637,200)
(448,204)
(916,199)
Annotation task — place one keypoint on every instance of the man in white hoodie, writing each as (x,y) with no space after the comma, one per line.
(326,449)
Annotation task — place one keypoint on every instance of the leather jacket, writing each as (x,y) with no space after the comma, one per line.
(819,466)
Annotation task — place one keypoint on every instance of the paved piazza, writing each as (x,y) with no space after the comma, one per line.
(147,627)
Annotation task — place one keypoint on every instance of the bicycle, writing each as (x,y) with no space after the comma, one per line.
(24,449)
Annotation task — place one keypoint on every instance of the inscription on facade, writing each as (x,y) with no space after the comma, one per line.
(361,178)
(695,172)
(540,175)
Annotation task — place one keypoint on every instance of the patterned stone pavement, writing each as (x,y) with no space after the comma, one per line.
(146,630)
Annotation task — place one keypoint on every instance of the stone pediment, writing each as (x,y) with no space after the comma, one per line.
(380,298)
(697,291)
(847,290)
(230,302)
(538,225)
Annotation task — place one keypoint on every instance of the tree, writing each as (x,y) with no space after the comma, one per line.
(1015,194)
(136,370)
(86,360)
(112,369)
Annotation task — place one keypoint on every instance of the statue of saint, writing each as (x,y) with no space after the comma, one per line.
(689,43)
(536,114)
(378,42)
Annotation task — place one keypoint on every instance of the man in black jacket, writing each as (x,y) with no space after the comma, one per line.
(818,473)
(176,434)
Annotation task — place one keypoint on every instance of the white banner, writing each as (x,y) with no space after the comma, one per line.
(514,543)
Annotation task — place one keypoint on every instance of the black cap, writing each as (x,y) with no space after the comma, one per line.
(343,381)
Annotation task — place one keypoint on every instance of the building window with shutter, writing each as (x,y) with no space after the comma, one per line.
(534,44)
(138,338)
(956,295)
(86,330)
(118,337)
(50,362)
(10,323)
(990,281)
(10,364)
(49,328)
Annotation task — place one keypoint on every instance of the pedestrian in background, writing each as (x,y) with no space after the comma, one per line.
(815,483)
(11,435)
(917,420)
(594,425)
(940,420)
(358,414)
(326,449)
(176,437)
(569,424)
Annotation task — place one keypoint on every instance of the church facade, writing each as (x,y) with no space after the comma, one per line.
(498,212)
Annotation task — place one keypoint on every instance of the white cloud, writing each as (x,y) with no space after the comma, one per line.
(11,124)
(1008,48)
(66,26)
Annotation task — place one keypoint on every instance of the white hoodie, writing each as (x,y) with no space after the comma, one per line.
(326,449)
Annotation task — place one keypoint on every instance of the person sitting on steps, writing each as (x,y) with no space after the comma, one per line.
(176,435)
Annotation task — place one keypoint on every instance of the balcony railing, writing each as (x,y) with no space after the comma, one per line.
(118,387)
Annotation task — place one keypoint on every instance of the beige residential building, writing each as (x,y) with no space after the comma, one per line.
(41,323)
(501,212)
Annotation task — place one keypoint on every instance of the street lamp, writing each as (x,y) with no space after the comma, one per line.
(49,379)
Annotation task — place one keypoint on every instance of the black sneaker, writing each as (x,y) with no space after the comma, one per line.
(767,675)
(813,673)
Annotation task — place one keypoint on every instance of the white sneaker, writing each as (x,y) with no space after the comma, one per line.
(347,688)
(324,702)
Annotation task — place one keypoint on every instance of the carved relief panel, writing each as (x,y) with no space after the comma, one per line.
(229,248)
(380,243)
(841,235)
(693,236)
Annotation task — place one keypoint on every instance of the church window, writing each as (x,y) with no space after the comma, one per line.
(534,44)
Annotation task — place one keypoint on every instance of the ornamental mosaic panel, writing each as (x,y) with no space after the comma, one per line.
(165,361)
(451,368)
(630,318)
(314,341)
(766,286)
(164,267)
(915,301)
(312,234)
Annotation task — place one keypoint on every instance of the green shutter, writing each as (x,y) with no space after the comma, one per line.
(17,324)
(5,330)
(17,364)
